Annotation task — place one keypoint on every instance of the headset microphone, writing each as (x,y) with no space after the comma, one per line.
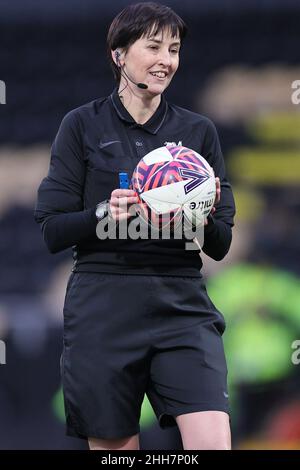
(143,86)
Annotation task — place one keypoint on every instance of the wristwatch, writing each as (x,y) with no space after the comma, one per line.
(103,210)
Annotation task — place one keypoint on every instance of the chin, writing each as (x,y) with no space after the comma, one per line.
(157,89)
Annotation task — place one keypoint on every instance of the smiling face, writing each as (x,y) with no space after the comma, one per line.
(152,59)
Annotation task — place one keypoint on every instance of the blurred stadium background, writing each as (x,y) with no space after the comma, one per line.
(237,67)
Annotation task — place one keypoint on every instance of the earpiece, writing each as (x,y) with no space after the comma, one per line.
(143,86)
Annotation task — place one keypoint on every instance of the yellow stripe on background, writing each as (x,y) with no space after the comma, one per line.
(276,128)
(265,166)
(249,204)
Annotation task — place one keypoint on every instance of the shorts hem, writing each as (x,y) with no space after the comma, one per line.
(167,419)
(102,434)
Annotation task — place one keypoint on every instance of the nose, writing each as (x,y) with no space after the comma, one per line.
(165,58)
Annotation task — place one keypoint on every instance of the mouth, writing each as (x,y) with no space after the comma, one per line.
(159,75)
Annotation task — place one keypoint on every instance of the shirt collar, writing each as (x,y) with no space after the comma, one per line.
(152,125)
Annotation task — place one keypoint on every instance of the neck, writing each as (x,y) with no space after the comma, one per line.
(140,105)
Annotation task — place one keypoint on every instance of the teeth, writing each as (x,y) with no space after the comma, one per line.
(159,74)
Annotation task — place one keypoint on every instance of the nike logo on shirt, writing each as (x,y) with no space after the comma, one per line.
(102,145)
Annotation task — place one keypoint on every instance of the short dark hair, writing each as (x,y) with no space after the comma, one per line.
(138,20)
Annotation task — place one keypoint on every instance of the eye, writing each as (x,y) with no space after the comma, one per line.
(153,47)
(175,51)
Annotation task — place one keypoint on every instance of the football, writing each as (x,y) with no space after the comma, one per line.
(174,184)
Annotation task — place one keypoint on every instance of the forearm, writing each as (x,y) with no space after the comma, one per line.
(217,239)
(61,231)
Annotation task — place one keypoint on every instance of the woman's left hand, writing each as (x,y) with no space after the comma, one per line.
(217,198)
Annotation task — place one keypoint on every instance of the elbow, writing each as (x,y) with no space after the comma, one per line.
(219,255)
(54,234)
(52,243)
(218,251)
(53,249)
(223,248)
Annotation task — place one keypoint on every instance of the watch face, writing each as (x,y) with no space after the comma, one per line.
(101,211)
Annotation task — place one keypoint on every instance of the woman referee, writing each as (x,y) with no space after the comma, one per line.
(137,317)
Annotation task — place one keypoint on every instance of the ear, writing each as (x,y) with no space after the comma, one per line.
(116,57)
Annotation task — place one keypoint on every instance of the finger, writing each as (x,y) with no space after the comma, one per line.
(123,216)
(122,193)
(124,201)
(118,216)
(218,190)
(128,208)
(116,211)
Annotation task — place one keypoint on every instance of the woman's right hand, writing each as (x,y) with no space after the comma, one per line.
(120,202)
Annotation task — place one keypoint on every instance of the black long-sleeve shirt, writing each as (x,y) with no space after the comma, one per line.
(94,143)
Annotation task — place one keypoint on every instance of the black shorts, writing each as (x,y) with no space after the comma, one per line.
(127,335)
